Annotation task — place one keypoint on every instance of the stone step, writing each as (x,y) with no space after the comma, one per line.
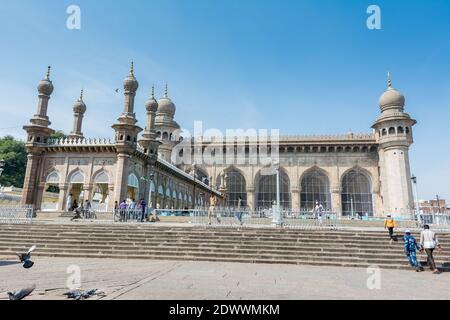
(288,254)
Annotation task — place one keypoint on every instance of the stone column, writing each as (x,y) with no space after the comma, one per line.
(63,187)
(87,192)
(111,198)
(40,196)
(30,182)
(121,185)
(295,193)
(336,203)
(251,198)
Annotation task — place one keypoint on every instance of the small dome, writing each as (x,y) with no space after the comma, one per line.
(79,106)
(151,104)
(45,86)
(166,106)
(391,97)
(130,84)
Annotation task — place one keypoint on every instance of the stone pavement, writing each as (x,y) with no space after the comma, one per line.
(168,280)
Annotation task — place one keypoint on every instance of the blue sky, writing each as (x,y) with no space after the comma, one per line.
(305,67)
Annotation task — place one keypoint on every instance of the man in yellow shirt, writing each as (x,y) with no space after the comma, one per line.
(390,224)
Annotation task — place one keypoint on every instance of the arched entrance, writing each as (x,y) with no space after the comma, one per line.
(100,196)
(356,194)
(133,188)
(76,182)
(266,192)
(51,192)
(315,188)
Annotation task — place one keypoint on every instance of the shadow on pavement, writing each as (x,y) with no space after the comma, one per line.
(8,263)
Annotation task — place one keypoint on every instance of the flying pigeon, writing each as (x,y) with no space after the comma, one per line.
(26,258)
(81,295)
(117,90)
(22,293)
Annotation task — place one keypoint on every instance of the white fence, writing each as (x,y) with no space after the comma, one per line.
(16,214)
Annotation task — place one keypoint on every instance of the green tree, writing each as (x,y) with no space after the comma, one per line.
(14,153)
(58,135)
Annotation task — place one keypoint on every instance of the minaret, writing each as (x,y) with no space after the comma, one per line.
(166,126)
(79,109)
(126,136)
(126,128)
(148,141)
(394,134)
(38,133)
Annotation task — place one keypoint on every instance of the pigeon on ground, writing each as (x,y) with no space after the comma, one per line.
(26,258)
(81,295)
(21,294)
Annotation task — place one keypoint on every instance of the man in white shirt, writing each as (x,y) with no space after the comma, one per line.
(429,242)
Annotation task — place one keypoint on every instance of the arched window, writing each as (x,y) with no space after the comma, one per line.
(391,130)
(161,190)
(77,177)
(384,132)
(101,178)
(165,136)
(53,178)
(267,191)
(315,188)
(356,194)
(236,187)
(400,130)
(133,181)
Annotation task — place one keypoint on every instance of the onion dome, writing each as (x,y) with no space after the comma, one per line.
(79,106)
(130,84)
(391,98)
(151,104)
(45,86)
(166,106)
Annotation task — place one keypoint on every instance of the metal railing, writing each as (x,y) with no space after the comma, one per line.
(16,214)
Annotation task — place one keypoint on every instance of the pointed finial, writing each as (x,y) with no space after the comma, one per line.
(153,91)
(132,68)
(389,80)
(166,92)
(81,95)
(48,73)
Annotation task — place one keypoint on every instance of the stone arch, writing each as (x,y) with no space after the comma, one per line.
(315,187)
(53,177)
(400,130)
(102,176)
(266,189)
(236,186)
(391,130)
(357,192)
(76,176)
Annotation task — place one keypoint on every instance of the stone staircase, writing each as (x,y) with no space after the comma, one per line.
(248,245)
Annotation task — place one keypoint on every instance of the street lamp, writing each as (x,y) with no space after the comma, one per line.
(414,180)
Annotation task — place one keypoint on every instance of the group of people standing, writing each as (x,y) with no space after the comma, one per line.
(428,243)
(132,210)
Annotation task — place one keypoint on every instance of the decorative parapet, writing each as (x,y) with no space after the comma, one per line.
(340,137)
(79,142)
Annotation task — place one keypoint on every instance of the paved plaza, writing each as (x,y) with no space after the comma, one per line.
(172,280)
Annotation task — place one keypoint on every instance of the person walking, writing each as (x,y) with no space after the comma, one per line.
(212,208)
(390,224)
(123,211)
(239,211)
(429,242)
(69,202)
(87,209)
(143,206)
(411,246)
(319,212)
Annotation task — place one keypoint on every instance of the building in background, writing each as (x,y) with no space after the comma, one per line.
(365,174)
